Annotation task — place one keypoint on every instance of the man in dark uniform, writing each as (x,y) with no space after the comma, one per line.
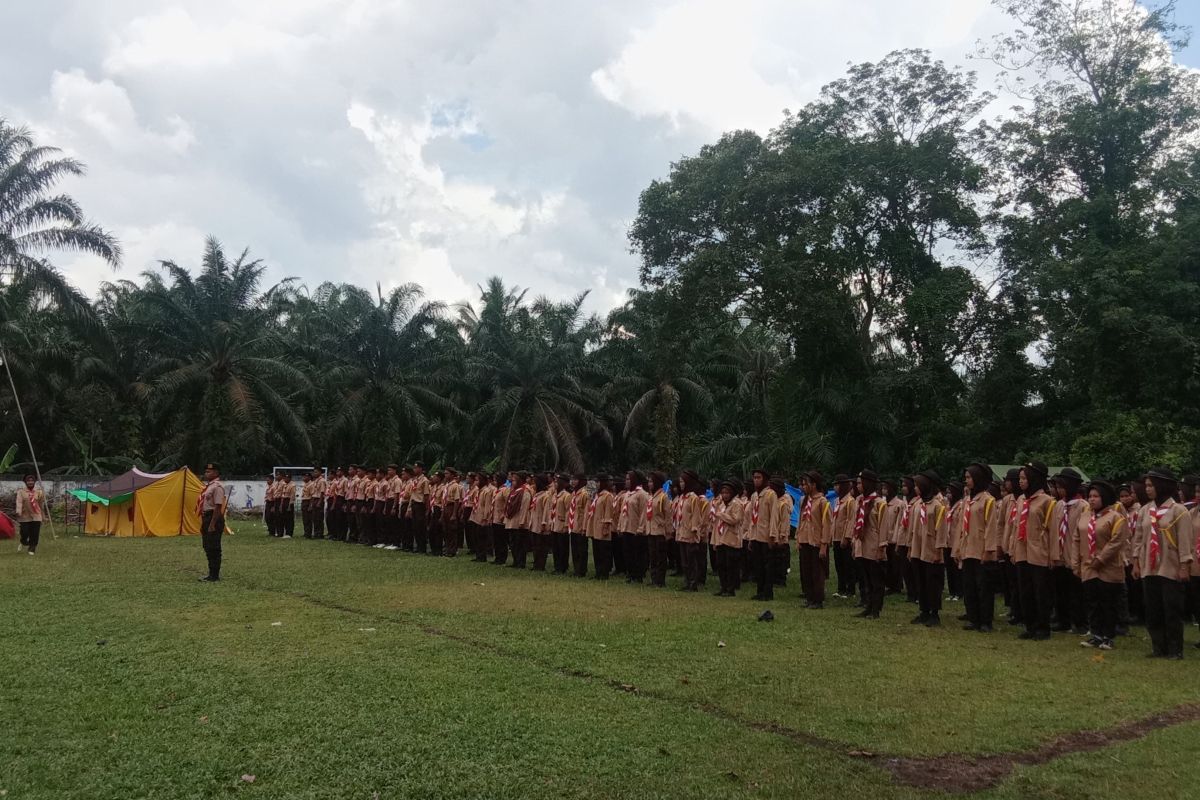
(212,520)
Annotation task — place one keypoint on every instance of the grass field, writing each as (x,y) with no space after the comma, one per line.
(326,670)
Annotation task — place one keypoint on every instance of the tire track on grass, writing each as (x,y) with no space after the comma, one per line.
(956,773)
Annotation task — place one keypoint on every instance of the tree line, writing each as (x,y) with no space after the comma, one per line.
(887,279)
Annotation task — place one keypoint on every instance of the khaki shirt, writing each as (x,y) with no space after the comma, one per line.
(632,516)
(287,494)
(693,516)
(599,516)
(764,514)
(727,530)
(577,513)
(892,517)
(213,497)
(26,500)
(1105,558)
(783,520)
(1069,511)
(420,489)
(500,504)
(1040,546)
(930,530)
(1177,540)
(520,518)
(658,514)
(973,535)
(816,522)
(482,513)
(870,543)
(843,518)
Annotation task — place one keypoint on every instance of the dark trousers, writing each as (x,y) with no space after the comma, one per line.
(366,524)
(1068,599)
(269,516)
(306,522)
(352,523)
(727,568)
(1164,600)
(1102,601)
(318,519)
(452,532)
(694,555)
(656,557)
(541,550)
(602,554)
(1012,591)
(211,542)
(436,531)
(812,574)
(483,542)
(560,546)
(1037,596)
(932,580)
(289,520)
(618,553)
(893,579)
(420,534)
(579,554)
(912,575)
(760,555)
(30,533)
(1137,604)
(953,575)
(872,573)
(781,559)
(843,563)
(674,563)
(978,590)
(637,556)
(500,542)
(520,541)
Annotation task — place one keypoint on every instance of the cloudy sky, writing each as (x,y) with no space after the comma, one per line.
(408,140)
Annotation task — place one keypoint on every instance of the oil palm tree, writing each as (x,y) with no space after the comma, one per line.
(219,378)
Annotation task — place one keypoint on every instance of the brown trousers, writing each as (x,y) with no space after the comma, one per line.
(813,574)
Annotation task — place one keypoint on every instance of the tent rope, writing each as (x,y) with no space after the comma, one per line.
(37,470)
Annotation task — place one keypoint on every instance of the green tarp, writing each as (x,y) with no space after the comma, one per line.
(88,497)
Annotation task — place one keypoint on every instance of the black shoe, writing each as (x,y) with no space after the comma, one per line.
(963,618)
(871,615)
(919,619)
(1026,635)
(1175,657)
(933,621)
(758,597)
(863,613)
(970,626)
(1080,630)
(1061,628)
(984,629)
(1042,636)
(816,607)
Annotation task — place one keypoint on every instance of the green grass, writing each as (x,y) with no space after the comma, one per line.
(394,675)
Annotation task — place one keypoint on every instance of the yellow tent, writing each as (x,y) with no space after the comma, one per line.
(143,504)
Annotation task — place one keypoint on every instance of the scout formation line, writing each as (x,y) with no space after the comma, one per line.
(1092,558)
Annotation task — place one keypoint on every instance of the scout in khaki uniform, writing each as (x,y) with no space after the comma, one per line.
(729,507)
(322,494)
(813,536)
(577,525)
(1164,548)
(843,525)
(437,498)
(1132,610)
(763,511)
(599,524)
(560,534)
(974,541)
(1070,612)
(693,514)
(404,503)
(483,517)
(870,542)
(1034,549)
(504,488)
(384,507)
(658,525)
(212,502)
(930,533)
(893,579)
(306,492)
(354,481)
(618,538)
(287,506)
(516,517)
(1004,521)
(780,554)
(631,522)
(269,505)
(469,502)
(31,513)
(366,508)
(541,509)
(452,499)
(1100,543)
(417,499)
(954,502)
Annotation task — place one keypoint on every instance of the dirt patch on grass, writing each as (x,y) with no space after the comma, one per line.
(954,773)
(962,774)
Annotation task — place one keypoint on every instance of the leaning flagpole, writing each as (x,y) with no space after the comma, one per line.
(37,470)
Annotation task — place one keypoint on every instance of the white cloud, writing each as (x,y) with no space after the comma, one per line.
(104,109)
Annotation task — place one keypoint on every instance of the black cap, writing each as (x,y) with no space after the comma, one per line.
(1038,467)
(933,478)
(393,466)
(1099,482)
(732,483)
(451,471)
(213,466)
(1190,479)
(1069,473)
(1163,474)
(869,475)
(841,477)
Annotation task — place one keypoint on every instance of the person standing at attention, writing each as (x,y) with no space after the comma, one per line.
(212,520)
(31,513)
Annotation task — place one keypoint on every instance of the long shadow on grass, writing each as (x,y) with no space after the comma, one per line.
(950,772)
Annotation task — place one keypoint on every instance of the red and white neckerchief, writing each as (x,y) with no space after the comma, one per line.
(924,515)
(650,507)
(1023,525)
(754,509)
(592,509)
(625,504)
(1156,515)
(967,513)
(1092,536)
(806,509)
(861,520)
(571,514)
(1064,523)
(907,514)
(677,512)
